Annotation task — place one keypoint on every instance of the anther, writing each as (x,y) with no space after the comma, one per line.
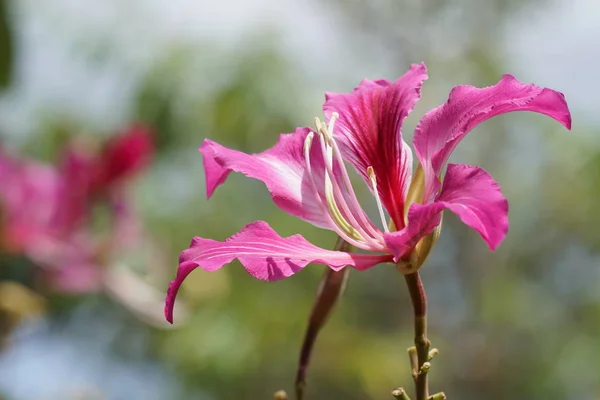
(371,173)
(318,124)
(334,116)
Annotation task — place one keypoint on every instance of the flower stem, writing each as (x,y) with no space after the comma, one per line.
(330,290)
(422,344)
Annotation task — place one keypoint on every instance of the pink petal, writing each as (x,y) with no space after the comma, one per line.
(126,224)
(422,220)
(126,154)
(28,207)
(441,129)
(472,194)
(468,191)
(83,278)
(369,133)
(281,168)
(76,175)
(264,254)
(69,264)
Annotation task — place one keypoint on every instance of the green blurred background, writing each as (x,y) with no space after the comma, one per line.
(520,323)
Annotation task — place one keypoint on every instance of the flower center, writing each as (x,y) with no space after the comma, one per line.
(340,203)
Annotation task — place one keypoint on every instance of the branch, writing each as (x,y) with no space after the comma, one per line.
(330,290)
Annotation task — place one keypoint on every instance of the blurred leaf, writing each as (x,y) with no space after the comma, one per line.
(6,46)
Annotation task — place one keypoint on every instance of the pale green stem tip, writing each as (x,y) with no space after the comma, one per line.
(414,361)
(400,394)
(437,396)
(432,353)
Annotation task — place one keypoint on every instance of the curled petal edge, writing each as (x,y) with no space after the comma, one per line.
(264,254)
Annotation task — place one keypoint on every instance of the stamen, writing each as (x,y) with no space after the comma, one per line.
(330,198)
(341,206)
(373,179)
(318,124)
(342,233)
(325,130)
(337,198)
(365,221)
(334,116)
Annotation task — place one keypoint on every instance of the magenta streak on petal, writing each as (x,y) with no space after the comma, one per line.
(440,130)
(369,133)
(264,254)
(281,168)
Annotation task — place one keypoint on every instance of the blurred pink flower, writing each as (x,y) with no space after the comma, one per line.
(306,175)
(128,153)
(46,211)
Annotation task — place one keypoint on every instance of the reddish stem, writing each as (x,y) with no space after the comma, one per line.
(330,290)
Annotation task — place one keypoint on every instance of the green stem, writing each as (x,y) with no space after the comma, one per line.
(422,344)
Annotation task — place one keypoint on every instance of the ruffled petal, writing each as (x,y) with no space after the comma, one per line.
(441,129)
(369,133)
(472,194)
(468,191)
(264,254)
(282,169)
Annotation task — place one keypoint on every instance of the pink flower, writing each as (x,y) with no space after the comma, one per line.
(42,218)
(86,177)
(306,175)
(47,212)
